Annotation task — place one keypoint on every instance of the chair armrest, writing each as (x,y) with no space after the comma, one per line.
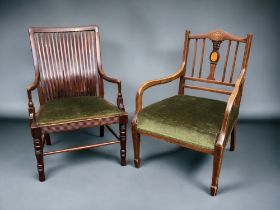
(31,108)
(233,99)
(151,83)
(118,82)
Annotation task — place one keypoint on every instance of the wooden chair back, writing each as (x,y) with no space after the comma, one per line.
(216,67)
(67,62)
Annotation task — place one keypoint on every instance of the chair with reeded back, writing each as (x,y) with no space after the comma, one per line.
(69,79)
(198,123)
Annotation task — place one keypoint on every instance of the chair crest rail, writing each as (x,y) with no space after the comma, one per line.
(218,35)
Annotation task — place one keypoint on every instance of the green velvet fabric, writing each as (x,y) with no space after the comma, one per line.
(188,119)
(75,108)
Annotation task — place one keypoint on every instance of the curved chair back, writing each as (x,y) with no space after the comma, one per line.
(66,61)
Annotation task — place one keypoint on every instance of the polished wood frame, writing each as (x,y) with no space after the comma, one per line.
(216,36)
(40,133)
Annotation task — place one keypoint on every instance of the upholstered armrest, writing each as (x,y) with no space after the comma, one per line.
(151,83)
(118,82)
(31,108)
(232,101)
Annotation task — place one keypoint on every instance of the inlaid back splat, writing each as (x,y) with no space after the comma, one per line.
(222,63)
(214,58)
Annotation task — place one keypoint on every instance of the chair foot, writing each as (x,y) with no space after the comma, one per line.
(213,190)
(123,162)
(217,163)
(137,163)
(42,177)
(136,145)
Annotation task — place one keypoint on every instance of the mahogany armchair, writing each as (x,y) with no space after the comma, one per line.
(198,123)
(69,80)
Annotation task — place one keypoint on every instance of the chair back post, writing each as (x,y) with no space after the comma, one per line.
(36,66)
(99,66)
(247,51)
(245,65)
(184,62)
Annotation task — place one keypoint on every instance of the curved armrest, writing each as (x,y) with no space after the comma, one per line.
(234,97)
(151,83)
(118,82)
(31,108)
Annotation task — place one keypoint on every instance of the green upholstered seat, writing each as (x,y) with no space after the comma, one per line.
(76,108)
(187,119)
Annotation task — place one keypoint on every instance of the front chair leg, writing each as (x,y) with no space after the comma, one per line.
(136,145)
(123,143)
(217,163)
(233,139)
(38,147)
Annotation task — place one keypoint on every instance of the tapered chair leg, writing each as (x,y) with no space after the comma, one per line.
(38,147)
(123,143)
(233,139)
(217,163)
(101,134)
(136,145)
(47,139)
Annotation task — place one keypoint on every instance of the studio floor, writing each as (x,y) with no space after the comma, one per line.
(169,178)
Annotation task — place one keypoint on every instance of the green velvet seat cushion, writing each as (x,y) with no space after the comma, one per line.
(187,119)
(76,108)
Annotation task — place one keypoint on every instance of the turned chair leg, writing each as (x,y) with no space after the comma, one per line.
(123,143)
(101,134)
(233,139)
(217,163)
(47,139)
(136,146)
(38,147)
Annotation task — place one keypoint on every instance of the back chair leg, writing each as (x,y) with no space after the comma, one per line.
(101,131)
(123,143)
(38,147)
(47,139)
(233,139)
(217,163)
(136,145)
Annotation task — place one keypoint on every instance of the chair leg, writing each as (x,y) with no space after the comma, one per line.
(217,163)
(123,143)
(38,147)
(101,134)
(233,139)
(136,145)
(47,139)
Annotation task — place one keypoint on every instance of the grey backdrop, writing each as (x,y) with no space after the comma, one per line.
(143,40)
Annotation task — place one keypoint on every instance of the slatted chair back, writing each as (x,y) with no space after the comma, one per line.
(215,66)
(67,62)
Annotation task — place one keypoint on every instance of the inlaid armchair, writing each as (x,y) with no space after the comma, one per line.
(69,79)
(196,122)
